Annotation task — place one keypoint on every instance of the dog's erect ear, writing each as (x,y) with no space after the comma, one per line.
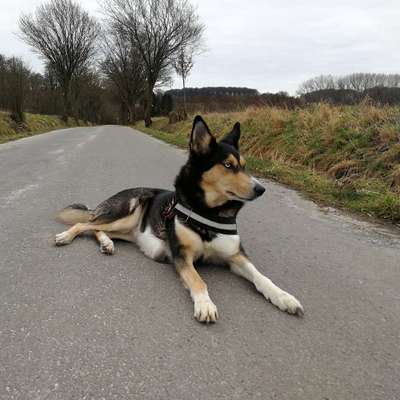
(233,137)
(201,139)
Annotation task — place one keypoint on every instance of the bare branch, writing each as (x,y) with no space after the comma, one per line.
(64,36)
(158,29)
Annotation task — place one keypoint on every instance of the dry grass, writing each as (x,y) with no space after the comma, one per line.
(34,125)
(348,156)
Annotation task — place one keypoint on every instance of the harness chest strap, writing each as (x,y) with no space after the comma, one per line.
(228,227)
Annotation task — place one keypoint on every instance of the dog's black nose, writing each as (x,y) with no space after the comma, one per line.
(259,189)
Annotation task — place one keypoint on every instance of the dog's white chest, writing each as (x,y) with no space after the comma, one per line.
(151,245)
(223,246)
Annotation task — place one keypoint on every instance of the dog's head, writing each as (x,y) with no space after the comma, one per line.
(220,167)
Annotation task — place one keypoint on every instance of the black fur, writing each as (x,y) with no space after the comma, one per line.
(78,206)
(233,137)
(154,210)
(119,206)
(188,192)
(187,183)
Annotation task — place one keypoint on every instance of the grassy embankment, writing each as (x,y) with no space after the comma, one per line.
(34,125)
(347,156)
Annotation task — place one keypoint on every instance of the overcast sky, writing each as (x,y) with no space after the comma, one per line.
(268,45)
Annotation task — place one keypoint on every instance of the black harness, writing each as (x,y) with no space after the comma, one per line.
(226,225)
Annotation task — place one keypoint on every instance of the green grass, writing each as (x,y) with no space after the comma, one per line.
(177,140)
(347,157)
(34,125)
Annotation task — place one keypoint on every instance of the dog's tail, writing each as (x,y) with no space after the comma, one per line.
(74,213)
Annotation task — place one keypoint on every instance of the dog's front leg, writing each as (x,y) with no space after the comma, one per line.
(204,309)
(242,266)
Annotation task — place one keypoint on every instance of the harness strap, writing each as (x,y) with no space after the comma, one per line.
(228,227)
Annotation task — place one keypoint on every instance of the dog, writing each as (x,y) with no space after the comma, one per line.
(195,222)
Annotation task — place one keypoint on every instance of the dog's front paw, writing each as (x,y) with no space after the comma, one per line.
(205,310)
(286,302)
(107,247)
(62,238)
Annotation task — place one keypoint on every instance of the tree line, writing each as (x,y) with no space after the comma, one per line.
(215,91)
(381,89)
(221,100)
(24,90)
(111,70)
(358,82)
(100,71)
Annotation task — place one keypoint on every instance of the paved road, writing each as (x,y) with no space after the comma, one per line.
(75,324)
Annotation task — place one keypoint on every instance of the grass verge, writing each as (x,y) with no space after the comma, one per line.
(34,125)
(346,157)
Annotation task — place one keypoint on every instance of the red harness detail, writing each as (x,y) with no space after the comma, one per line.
(168,211)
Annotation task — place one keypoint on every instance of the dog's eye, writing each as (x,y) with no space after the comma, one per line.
(227,165)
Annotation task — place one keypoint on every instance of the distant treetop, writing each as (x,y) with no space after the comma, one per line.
(358,82)
(215,91)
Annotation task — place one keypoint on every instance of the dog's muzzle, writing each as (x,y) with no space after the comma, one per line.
(258,189)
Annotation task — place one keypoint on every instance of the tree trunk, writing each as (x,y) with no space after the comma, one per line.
(123,113)
(130,107)
(131,113)
(148,105)
(184,95)
(67,100)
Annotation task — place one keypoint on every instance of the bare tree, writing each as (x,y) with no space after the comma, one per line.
(63,34)
(393,80)
(19,76)
(3,81)
(159,29)
(359,82)
(320,82)
(14,86)
(124,67)
(183,64)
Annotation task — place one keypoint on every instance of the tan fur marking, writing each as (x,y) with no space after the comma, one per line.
(106,244)
(218,181)
(190,241)
(204,142)
(101,236)
(201,140)
(238,258)
(71,216)
(129,237)
(204,309)
(120,226)
(242,161)
(192,247)
(190,277)
(232,160)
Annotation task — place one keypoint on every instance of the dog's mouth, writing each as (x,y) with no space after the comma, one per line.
(236,197)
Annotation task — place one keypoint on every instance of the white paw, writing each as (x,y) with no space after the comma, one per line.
(205,310)
(286,302)
(107,247)
(62,238)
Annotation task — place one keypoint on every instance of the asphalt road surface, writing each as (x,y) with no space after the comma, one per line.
(76,324)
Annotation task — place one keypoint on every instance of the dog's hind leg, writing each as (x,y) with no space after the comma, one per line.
(106,244)
(123,225)
(69,235)
(242,266)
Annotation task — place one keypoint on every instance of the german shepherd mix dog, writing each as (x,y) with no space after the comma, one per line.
(197,221)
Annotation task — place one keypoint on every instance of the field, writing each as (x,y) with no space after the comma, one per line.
(345,156)
(34,125)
